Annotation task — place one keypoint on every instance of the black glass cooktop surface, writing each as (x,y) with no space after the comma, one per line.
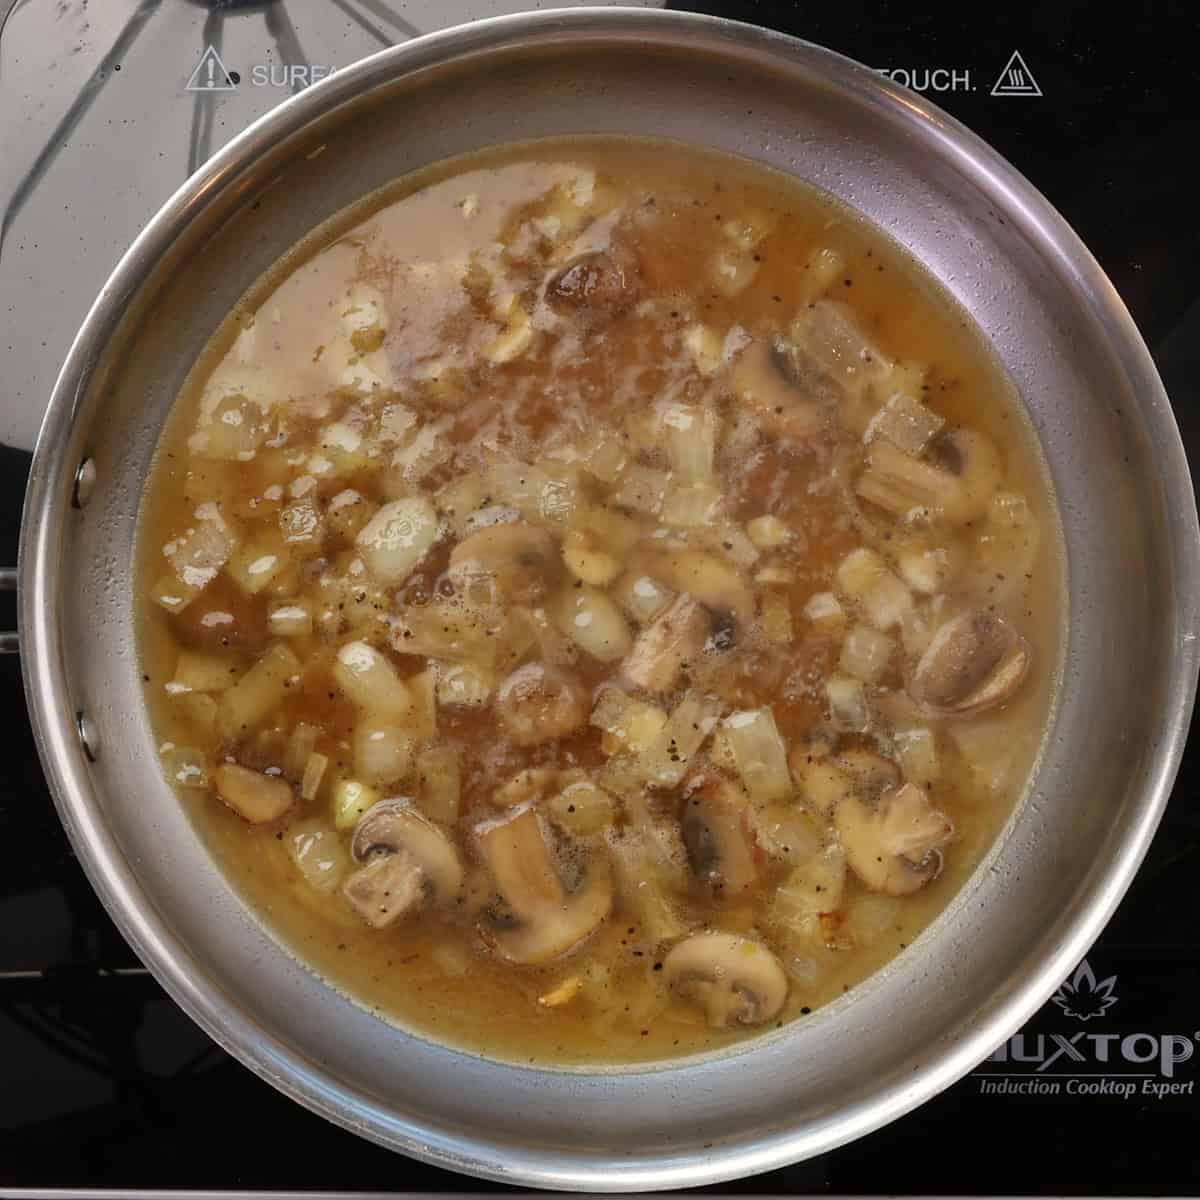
(104,1083)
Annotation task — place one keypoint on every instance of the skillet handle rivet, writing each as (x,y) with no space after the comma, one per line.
(88,738)
(85,481)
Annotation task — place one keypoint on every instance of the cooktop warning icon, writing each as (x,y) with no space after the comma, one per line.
(210,74)
(1016,79)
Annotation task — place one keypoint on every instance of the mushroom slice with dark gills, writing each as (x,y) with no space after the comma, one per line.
(667,645)
(597,286)
(716,832)
(547,921)
(975,661)
(541,703)
(955,481)
(513,562)
(706,578)
(893,846)
(824,782)
(783,388)
(407,861)
(735,980)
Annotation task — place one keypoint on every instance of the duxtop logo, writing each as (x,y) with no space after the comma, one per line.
(1083,997)
(1085,1063)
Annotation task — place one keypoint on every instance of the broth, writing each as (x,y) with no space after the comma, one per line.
(615,594)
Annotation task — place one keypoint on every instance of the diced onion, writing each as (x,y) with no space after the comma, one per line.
(775,618)
(185,766)
(397,537)
(258,561)
(644,889)
(460,498)
(865,577)
(866,653)
(787,832)
(465,684)
(587,560)
(439,777)
(642,488)
(383,752)
(196,672)
(825,611)
(732,270)
(916,750)
(759,754)
(302,741)
(513,339)
(870,917)
(812,889)
(422,717)
(642,597)
(822,268)
(927,569)
(906,423)
(371,681)
(541,493)
(733,543)
(301,523)
(257,797)
(768,532)
(632,724)
(593,622)
(314,774)
(581,809)
(351,799)
(426,450)
(706,347)
(319,854)
(847,704)
(199,554)
(666,759)
(291,620)
(258,693)
(689,434)
(691,504)
(234,431)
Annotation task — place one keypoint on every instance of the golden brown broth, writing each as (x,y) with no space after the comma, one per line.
(674,204)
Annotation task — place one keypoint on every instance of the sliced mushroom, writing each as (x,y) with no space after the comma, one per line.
(547,920)
(705,577)
(540,703)
(869,773)
(516,562)
(974,662)
(408,860)
(963,471)
(822,786)
(251,794)
(783,388)
(516,853)
(823,782)
(598,286)
(975,463)
(895,845)
(717,834)
(734,979)
(664,647)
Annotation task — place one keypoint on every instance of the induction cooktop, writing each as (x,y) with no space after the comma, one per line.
(105,107)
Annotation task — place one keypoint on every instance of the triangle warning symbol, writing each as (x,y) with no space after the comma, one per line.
(210,74)
(1016,79)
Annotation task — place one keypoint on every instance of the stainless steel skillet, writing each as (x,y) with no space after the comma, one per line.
(1128,514)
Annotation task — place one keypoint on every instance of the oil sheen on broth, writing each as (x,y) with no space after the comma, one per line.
(599,601)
